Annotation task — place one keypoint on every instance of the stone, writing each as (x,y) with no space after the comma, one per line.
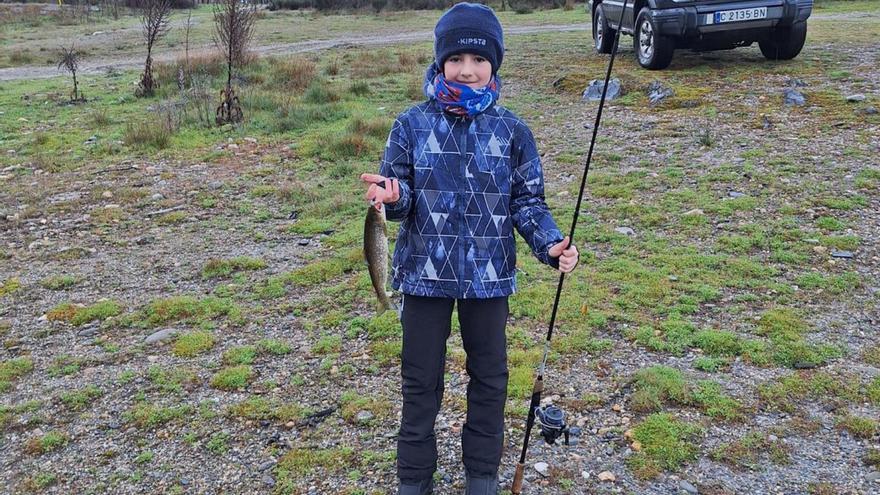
(657,92)
(267,465)
(364,416)
(873,477)
(625,231)
(304,242)
(796,83)
(793,97)
(687,487)
(161,335)
(870,110)
(88,332)
(542,468)
(268,480)
(695,211)
(607,476)
(593,91)
(842,254)
(735,194)
(855,98)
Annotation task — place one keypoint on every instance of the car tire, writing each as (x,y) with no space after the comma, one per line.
(784,43)
(653,50)
(603,35)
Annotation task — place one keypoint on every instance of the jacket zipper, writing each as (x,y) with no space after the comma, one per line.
(462,229)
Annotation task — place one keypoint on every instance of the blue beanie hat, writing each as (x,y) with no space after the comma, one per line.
(469,28)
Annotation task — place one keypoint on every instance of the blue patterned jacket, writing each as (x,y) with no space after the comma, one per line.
(464,185)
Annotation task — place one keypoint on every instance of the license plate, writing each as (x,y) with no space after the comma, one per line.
(740,15)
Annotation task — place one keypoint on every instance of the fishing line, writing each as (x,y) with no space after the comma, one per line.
(551,418)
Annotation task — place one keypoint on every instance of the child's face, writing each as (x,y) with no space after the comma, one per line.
(467,68)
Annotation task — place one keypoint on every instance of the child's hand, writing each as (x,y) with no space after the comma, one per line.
(568,258)
(377,195)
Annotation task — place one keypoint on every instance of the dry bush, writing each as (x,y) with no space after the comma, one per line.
(294,72)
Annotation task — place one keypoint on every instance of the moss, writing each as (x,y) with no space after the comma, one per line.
(328,344)
(715,403)
(656,385)
(750,450)
(259,408)
(152,415)
(273,347)
(352,403)
(9,287)
(240,355)
(858,427)
(219,268)
(12,370)
(232,378)
(301,462)
(187,309)
(718,343)
(191,344)
(78,400)
(80,315)
(386,352)
(58,282)
(667,443)
(172,380)
(386,325)
(49,442)
(710,364)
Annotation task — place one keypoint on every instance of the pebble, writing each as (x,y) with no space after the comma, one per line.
(542,468)
(695,211)
(607,476)
(107,194)
(267,465)
(161,335)
(855,98)
(793,97)
(735,194)
(268,480)
(364,416)
(593,91)
(625,231)
(842,254)
(685,486)
(304,242)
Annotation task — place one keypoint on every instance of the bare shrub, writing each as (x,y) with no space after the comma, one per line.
(294,73)
(233,31)
(69,61)
(154,20)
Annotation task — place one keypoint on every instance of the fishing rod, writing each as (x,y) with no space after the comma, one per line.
(551,418)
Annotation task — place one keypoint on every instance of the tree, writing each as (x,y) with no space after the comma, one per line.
(69,61)
(154,19)
(233,30)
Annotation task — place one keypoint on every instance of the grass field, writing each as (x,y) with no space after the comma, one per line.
(727,338)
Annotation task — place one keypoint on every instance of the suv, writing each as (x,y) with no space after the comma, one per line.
(660,26)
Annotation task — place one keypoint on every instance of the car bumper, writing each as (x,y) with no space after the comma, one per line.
(690,21)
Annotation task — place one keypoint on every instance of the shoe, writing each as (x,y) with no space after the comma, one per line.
(481,486)
(424,487)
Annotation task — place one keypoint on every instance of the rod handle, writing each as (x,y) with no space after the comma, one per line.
(516,489)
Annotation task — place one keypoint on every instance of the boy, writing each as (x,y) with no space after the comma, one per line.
(460,172)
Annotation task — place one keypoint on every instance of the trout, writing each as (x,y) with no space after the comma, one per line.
(376,254)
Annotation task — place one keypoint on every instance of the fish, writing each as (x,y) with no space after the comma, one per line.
(376,254)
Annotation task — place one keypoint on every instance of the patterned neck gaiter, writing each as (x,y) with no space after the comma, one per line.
(460,99)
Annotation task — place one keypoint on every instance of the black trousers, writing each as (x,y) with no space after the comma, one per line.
(426,327)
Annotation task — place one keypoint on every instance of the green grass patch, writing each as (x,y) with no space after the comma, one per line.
(172,380)
(79,315)
(49,442)
(217,268)
(12,370)
(858,427)
(191,344)
(352,403)
(328,344)
(232,378)
(301,462)
(58,282)
(187,309)
(78,400)
(785,393)
(667,443)
(10,286)
(245,354)
(750,451)
(259,408)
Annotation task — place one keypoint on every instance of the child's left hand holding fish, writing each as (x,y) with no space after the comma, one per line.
(568,255)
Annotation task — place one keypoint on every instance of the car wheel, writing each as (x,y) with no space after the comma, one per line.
(652,48)
(603,35)
(784,43)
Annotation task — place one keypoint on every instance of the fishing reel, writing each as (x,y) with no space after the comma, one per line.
(551,419)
